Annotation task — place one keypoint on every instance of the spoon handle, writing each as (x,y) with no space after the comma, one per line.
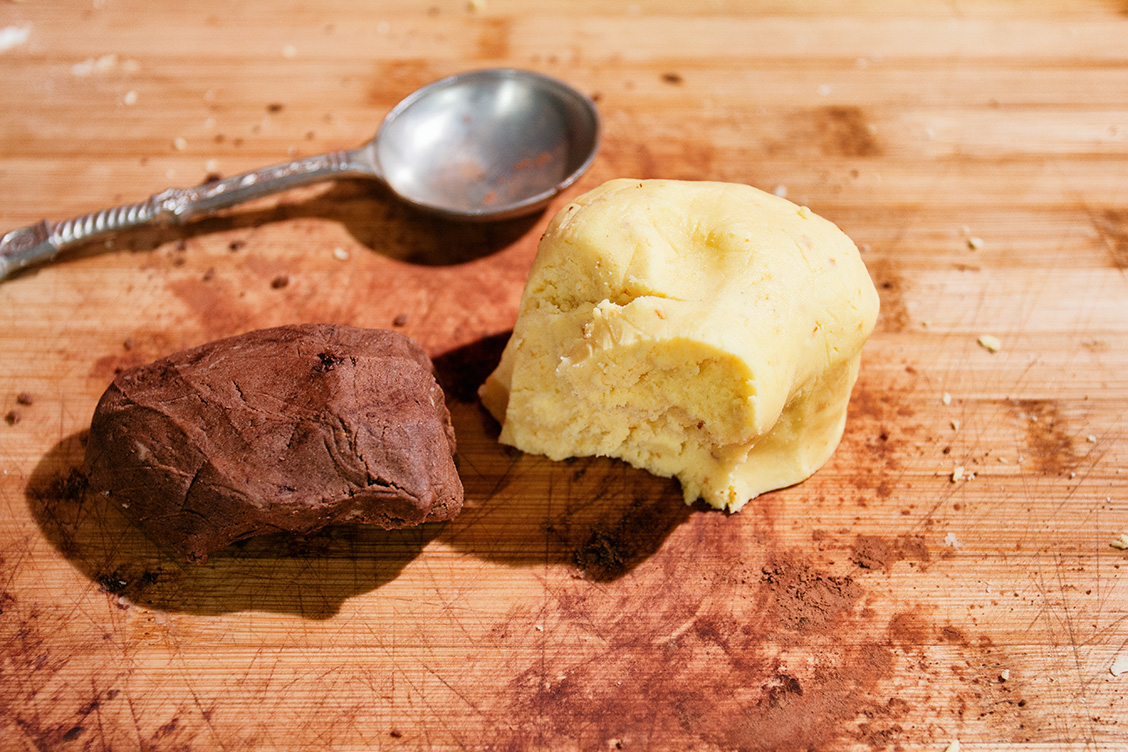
(45,240)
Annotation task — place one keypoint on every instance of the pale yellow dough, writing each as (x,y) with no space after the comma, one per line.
(705,331)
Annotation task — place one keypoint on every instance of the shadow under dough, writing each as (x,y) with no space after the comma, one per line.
(308,576)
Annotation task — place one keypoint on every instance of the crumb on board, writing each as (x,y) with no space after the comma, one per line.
(1119,665)
(990,343)
(12,418)
(340,254)
(957,473)
(946,398)
(953,746)
(951,541)
(1120,543)
(25,398)
(280,281)
(974,243)
(13,36)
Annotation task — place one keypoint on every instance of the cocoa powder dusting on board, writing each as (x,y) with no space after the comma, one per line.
(880,553)
(805,598)
(1049,438)
(712,643)
(707,643)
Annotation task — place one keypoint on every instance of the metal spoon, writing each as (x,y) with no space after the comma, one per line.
(485,145)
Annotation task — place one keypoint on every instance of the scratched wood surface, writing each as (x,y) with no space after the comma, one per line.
(581,605)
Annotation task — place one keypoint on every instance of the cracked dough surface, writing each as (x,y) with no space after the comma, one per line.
(705,331)
(285,429)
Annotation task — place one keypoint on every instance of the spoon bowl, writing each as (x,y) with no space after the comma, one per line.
(479,146)
(486,145)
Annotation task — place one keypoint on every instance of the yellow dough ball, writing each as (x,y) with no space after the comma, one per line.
(706,331)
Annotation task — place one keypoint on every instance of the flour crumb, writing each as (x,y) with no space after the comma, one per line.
(951,541)
(990,343)
(946,398)
(1091,439)
(1005,675)
(91,65)
(340,254)
(974,243)
(1120,543)
(780,190)
(13,36)
(953,746)
(957,473)
(1119,665)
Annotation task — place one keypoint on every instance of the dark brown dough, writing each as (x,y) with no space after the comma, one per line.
(286,429)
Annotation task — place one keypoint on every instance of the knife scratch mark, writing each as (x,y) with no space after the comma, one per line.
(1050,617)
(1073,645)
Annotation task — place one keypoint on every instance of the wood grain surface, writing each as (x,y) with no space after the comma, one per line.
(580,605)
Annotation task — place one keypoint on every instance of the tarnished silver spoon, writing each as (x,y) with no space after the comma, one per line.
(484,145)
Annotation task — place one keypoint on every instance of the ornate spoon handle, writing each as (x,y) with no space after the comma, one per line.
(45,240)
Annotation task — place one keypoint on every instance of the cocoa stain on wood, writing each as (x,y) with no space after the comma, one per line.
(806,599)
(881,553)
(1112,226)
(1047,436)
(844,131)
(828,132)
(891,290)
(652,657)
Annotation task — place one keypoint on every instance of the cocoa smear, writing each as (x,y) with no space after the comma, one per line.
(706,644)
(805,598)
(1049,437)
(880,553)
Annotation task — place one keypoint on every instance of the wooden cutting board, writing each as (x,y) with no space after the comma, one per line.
(976,151)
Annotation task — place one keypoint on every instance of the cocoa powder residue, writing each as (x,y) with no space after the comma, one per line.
(805,598)
(879,553)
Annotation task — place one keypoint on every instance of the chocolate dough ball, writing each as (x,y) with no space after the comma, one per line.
(286,429)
